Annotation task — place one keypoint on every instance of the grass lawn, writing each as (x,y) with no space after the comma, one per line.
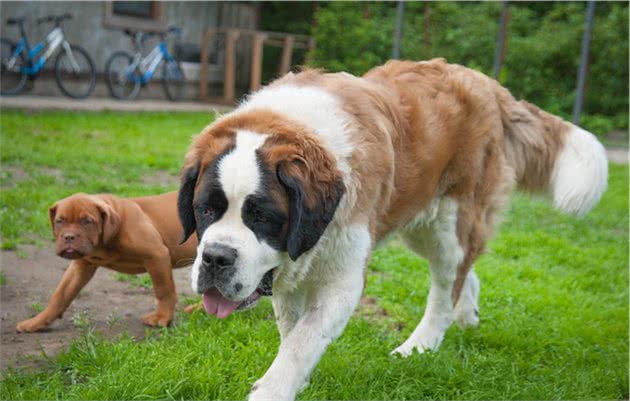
(554,298)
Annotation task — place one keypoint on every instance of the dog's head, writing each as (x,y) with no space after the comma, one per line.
(254,187)
(80,223)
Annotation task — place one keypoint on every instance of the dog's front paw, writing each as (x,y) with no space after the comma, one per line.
(156,319)
(31,325)
(261,392)
(421,342)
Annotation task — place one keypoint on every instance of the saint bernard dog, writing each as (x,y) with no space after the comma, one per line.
(294,189)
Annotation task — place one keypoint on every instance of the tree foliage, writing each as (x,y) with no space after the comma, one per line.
(542,51)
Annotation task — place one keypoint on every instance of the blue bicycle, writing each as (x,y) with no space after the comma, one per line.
(126,72)
(74,69)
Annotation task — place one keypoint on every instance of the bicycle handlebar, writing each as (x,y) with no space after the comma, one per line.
(54,18)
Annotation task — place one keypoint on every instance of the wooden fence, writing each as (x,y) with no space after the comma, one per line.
(288,42)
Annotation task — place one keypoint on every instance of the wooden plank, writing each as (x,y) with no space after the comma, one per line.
(280,43)
(257,58)
(287,52)
(270,34)
(204,63)
(230,65)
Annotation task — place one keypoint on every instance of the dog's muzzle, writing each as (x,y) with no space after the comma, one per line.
(216,304)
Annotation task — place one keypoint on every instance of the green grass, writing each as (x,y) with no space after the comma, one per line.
(137,280)
(554,298)
(47,156)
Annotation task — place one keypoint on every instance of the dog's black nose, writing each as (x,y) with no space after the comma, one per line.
(219,256)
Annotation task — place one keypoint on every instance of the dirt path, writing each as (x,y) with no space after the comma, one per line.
(31,280)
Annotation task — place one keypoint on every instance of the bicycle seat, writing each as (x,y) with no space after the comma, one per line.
(15,20)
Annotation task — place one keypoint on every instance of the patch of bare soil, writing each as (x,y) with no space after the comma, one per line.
(617,155)
(53,172)
(16,174)
(370,309)
(162,178)
(111,305)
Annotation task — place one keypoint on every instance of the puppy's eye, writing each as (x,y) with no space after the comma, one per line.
(58,221)
(86,222)
(207,213)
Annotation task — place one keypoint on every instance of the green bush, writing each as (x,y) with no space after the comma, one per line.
(353,36)
(542,56)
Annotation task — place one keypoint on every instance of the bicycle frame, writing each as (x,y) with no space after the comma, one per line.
(54,39)
(148,64)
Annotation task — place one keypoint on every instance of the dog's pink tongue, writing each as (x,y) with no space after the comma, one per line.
(216,304)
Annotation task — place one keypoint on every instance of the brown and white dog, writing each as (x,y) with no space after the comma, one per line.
(310,173)
(133,236)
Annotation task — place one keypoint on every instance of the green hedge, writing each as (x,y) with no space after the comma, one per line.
(542,57)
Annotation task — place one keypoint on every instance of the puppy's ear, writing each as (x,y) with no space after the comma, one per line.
(52,213)
(111,221)
(185,201)
(314,192)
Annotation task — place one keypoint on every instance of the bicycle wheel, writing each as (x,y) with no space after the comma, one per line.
(12,77)
(74,72)
(122,80)
(173,80)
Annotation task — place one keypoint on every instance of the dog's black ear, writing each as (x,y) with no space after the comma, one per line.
(185,201)
(312,205)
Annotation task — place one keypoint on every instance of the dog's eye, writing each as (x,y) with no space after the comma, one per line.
(86,222)
(207,213)
(58,221)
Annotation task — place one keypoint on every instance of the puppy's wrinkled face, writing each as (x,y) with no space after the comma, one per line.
(241,221)
(77,223)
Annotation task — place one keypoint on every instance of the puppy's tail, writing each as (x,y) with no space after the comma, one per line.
(551,155)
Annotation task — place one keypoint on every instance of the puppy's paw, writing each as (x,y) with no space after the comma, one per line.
(31,325)
(156,319)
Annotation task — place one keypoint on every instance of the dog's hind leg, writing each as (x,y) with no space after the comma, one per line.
(467,306)
(436,239)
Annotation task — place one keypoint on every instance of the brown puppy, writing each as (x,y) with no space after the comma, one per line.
(133,236)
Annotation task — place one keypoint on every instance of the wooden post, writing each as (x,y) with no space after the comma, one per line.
(257,58)
(230,65)
(287,52)
(204,64)
(427,26)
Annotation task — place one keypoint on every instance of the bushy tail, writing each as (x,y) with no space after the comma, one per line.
(551,155)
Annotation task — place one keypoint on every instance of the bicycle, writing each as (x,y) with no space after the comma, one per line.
(74,68)
(126,73)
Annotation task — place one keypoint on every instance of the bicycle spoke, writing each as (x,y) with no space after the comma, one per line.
(74,72)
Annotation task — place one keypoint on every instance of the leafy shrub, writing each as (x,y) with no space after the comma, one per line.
(542,52)
(352,36)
